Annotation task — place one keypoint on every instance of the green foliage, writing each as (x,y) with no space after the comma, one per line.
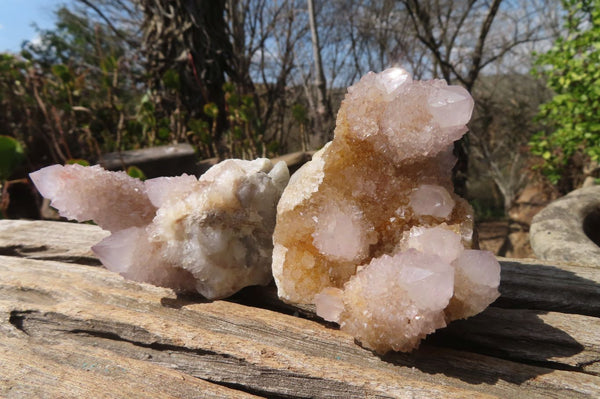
(81,162)
(300,114)
(11,155)
(211,110)
(75,39)
(82,90)
(244,136)
(136,172)
(171,80)
(572,70)
(75,95)
(485,210)
(200,129)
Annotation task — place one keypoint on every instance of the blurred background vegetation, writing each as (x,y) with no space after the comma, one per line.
(250,78)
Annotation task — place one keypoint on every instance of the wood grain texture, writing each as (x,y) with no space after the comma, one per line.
(68,242)
(534,284)
(72,330)
(69,369)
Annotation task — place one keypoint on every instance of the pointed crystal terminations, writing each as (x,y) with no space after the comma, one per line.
(371,231)
(212,235)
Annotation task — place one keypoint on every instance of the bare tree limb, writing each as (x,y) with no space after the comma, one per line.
(108,22)
(478,50)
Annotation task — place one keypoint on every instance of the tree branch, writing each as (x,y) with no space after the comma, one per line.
(108,22)
(478,50)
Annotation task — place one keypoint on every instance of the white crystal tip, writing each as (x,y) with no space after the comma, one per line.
(46,180)
(330,304)
(432,200)
(393,78)
(451,106)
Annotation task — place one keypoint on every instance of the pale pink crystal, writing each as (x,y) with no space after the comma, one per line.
(160,189)
(113,200)
(405,294)
(436,241)
(330,304)
(340,232)
(212,235)
(476,284)
(431,200)
(371,232)
(130,253)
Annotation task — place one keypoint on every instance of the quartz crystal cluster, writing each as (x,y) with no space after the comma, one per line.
(371,231)
(212,235)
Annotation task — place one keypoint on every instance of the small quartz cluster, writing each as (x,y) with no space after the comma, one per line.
(371,231)
(212,235)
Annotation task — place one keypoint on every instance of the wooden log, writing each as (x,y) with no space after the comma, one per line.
(552,339)
(60,241)
(165,160)
(59,318)
(534,284)
(528,283)
(71,370)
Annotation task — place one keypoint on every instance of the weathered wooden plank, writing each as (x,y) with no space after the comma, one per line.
(165,160)
(550,339)
(95,303)
(567,341)
(265,352)
(61,241)
(553,339)
(535,284)
(525,284)
(70,370)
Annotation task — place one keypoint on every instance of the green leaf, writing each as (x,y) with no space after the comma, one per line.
(228,87)
(108,64)
(163,133)
(211,110)
(171,80)
(571,69)
(11,155)
(62,72)
(300,113)
(136,172)
(81,162)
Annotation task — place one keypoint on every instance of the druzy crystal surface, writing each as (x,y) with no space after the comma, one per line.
(212,235)
(371,231)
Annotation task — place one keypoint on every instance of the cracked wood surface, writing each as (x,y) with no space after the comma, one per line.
(69,328)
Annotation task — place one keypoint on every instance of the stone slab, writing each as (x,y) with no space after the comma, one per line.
(557,232)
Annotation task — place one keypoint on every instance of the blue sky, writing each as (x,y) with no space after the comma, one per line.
(17,16)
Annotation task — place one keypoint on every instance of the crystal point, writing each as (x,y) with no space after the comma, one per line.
(431,200)
(74,191)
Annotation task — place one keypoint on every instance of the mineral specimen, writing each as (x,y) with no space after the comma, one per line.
(371,231)
(212,235)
